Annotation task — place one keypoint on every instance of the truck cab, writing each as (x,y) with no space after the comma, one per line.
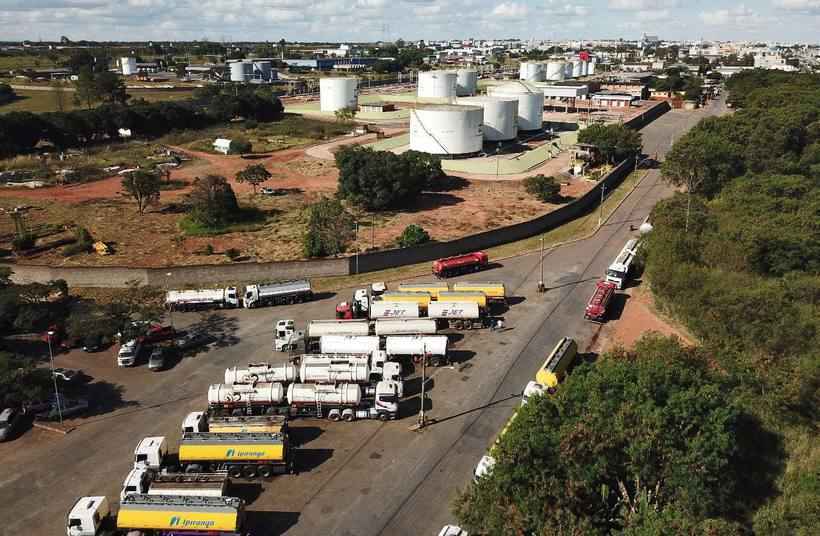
(386,404)
(150,453)
(88,516)
(344,311)
(383,369)
(137,481)
(378,288)
(196,421)
(361,303)
(127,355)
(532,389)
(484,467)
(286,336)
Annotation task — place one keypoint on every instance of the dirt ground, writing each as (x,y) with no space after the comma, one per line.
(154,239)
(637,318)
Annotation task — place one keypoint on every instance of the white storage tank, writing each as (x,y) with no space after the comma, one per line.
(591,67)
(530,103)
(466,82)
(568,69)
(531,71)
(584,67)
(555,70)
(446,129)
(338,94)
(129,65)
(261,372)
(437,84)
(241,71)
(576,68)
(345,394)
(343,344)
(261,393)
(500,116)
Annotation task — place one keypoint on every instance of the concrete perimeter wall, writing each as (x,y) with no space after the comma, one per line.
(205,275)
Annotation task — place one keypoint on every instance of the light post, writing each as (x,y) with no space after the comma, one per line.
(497,159)
(541,258)
(422,417)
(50,334)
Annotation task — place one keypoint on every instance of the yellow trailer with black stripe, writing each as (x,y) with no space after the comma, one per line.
(421,298)
(494,290)
(173,513)
(464,296)
(557,363)
(432,288)
(241,454)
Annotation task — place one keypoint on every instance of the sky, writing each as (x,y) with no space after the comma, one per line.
(373,20)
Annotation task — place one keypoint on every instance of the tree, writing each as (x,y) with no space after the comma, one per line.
(6,94)
(345,115)
(378,180)
(544,188)
(240,146)
(213,201)
(413,235)
(85,88)
(330,228)
(58,93)
(615,142)
(254,175)
(109,87)
(652,430)
(142,186)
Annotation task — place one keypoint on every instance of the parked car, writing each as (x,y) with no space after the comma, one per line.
(159,333)
(157,360)
(69,407)
(265,190)
(10,420)
(128,353)
(67,375)
(452,530)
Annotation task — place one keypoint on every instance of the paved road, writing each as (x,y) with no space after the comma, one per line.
(362,479)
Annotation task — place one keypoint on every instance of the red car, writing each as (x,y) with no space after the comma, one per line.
(158,333)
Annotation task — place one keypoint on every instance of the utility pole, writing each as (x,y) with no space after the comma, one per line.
(50,334)
(541,259)
(422,417)
(601,206)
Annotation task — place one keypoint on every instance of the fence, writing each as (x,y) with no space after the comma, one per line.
(181,276)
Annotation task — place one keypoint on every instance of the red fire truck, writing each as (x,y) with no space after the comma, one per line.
(599,302)
(470,262)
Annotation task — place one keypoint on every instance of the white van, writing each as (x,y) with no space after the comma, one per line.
(127,356)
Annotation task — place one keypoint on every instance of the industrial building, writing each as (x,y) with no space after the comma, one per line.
(338,94)
(447,129)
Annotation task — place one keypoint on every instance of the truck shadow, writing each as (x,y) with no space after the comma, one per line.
(412,386)
(459,357)
(302,435)
(319,296)
(306,460)
(247,491)
(410,407)
(270,523)
(616,307)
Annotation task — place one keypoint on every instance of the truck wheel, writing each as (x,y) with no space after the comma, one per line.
(384,417)
(193,468)
(265,471)
(234,471)
(348,416)
(249,471)
(334,416)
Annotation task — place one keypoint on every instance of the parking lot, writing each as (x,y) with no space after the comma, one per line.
(359,478)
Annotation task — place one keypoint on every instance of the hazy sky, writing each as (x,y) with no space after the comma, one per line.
(367,20)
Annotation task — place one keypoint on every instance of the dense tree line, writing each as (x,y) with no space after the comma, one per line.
(745,276)
(614,142)
(6,94)
(21,131)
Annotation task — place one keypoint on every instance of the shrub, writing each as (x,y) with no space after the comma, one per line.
(240,146)
(82,244)
(544,188)
(232,253)
(413,235)
(209,249)
(23,242)
(250,124)
(330,228)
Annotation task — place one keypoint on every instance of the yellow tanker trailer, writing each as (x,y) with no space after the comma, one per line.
(178,515)
(245,455)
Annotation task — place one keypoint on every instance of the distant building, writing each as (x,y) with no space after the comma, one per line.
(222,145)
(772,60)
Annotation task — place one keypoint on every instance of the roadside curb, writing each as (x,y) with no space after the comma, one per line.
(53,428)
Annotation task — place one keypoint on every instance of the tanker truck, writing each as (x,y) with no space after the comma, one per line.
(241,454)
(458,315)
(345,401)
(261,372)
(321,328)
(190,300)
(353,368)
(433,348)
(346,344)
(146,481)
(157,514)
(245,399)
(406,326)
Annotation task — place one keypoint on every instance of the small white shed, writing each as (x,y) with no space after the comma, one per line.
(221,145)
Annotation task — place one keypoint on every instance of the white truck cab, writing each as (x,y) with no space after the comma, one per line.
(150,453)
(532,389)
(195,422)
(127,355)
(361,301)
(286,336)
(378,288)
(386,370)
(87,516)
(386,403)
(137,481)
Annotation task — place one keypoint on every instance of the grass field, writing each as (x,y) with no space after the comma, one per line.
(47,100)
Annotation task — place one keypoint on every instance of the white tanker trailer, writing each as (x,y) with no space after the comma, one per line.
(434,348)
(261,372)
(346,344)
(246,399)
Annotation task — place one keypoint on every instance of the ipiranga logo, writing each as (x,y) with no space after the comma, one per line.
(181,522)
(232,453)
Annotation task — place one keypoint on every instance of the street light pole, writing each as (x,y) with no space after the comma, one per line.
(541,280)
(422,417)
(50,334)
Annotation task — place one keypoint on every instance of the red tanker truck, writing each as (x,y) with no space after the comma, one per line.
(470,262)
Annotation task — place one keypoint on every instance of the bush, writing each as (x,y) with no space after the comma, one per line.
(83,243)
(413,235)
(209,249)
(240,146)
(330,229)
(23,242)
(544,188)
(250,124)
(232,253)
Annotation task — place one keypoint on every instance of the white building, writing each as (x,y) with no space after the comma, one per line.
(222,145)
(772,60)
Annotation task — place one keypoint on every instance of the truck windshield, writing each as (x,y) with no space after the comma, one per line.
(74,522)
(614,273)
(390,399)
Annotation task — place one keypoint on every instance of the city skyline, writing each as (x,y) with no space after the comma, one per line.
(373,20)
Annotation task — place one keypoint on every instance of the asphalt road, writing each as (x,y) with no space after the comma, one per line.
(364,478)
